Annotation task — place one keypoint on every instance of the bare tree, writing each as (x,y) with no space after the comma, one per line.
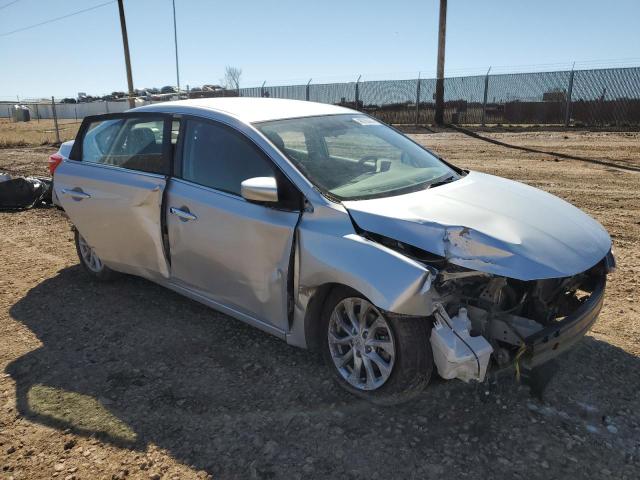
(231,78)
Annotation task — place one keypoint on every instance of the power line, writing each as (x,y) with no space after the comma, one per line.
(8,4)
(78,12)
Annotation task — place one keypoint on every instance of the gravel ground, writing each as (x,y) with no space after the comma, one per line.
(129,380)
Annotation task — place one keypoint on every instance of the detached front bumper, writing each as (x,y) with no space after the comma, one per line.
(560,337)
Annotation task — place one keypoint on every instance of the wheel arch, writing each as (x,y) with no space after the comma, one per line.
(315,305)
(313,313)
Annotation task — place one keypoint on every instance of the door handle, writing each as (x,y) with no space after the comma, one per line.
(182,215)
(76,194)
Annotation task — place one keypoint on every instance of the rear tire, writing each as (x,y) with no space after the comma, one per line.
(90,260)
(391,355)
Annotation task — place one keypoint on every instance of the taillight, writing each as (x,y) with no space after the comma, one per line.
(54,161)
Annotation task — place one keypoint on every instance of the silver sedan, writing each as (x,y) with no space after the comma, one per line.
(335,232)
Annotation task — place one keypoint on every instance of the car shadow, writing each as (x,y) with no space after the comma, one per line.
(134,364)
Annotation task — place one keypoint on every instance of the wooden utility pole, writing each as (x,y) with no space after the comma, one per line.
(127,59)
(175,39)
(442,33)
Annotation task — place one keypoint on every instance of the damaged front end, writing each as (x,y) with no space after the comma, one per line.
(482,319)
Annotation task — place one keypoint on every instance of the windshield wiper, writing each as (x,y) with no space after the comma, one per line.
(449,179)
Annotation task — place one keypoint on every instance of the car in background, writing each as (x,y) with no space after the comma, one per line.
(332,231)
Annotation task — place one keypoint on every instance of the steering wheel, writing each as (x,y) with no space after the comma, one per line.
(369,158)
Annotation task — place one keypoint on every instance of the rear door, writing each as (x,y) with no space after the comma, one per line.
(112,188)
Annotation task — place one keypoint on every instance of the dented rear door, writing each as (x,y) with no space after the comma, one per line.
(112,189)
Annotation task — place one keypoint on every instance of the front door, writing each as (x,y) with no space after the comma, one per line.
(112,188)
(233,252)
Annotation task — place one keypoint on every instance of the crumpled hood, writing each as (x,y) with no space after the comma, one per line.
(490,224)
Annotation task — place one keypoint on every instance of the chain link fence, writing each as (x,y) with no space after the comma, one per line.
(602,97)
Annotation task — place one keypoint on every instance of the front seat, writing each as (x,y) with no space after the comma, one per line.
(143,151)
(141,141)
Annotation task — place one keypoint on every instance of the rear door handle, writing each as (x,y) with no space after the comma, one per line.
(76,194)
(185,216)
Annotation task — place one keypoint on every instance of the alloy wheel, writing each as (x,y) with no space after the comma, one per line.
(361,343)
(89,256)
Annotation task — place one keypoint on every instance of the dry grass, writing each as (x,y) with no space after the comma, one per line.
(81,412)
(35,132)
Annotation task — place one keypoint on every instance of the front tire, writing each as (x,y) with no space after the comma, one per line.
(90,260)
(379,357)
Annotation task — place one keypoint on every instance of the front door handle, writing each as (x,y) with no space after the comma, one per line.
(183,215)
(76,194)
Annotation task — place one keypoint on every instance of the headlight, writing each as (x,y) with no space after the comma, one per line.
(610,262)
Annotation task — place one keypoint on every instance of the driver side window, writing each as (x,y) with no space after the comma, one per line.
(218,157)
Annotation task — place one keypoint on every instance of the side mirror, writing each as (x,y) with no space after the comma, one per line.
(259,189)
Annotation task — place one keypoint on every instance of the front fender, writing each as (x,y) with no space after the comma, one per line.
(329,251)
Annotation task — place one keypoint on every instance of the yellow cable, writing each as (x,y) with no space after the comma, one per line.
(523,348)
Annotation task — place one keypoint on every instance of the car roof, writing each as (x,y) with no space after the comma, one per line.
(250,109)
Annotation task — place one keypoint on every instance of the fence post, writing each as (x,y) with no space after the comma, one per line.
(418,101)
(55,119)
(567,111)
(358,93)
(262,88)
(486,91)
(307,92)
(37,113)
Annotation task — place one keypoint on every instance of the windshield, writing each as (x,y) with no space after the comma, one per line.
(354,156)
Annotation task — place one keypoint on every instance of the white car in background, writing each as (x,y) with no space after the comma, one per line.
(333,231)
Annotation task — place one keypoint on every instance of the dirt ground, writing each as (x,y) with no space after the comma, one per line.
(129,380)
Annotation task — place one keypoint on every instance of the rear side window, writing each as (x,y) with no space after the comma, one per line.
(215,156)
(132,143)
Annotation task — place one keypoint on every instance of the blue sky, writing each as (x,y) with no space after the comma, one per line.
(287,41)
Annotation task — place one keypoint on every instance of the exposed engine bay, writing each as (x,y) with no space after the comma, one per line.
(481,319)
